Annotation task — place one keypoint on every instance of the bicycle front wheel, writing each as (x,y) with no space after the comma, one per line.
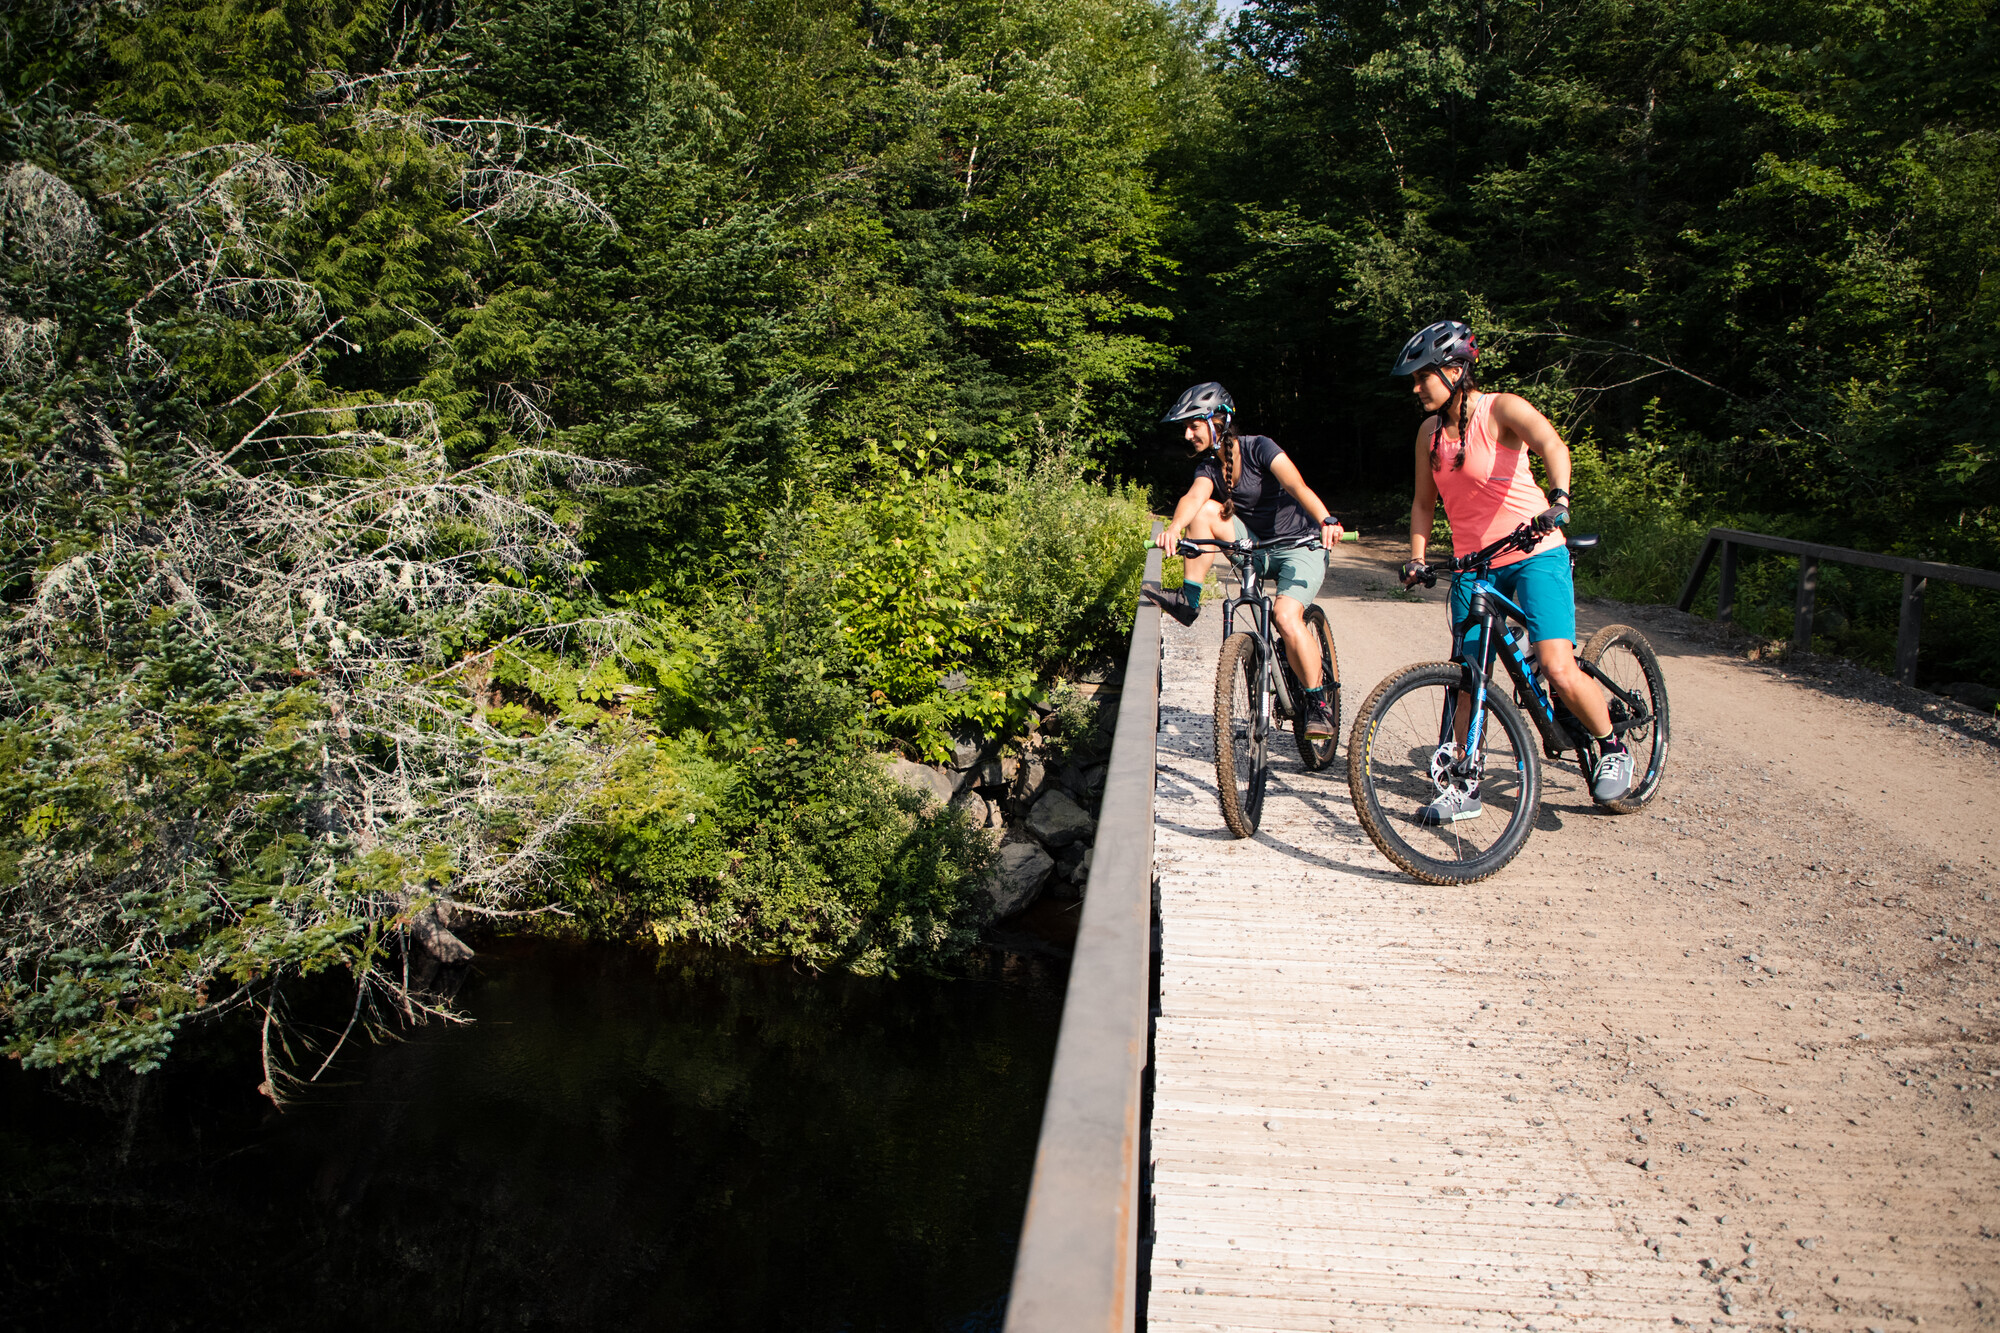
(1405,736)
(1317,754)
(1627,661)
(1242,734)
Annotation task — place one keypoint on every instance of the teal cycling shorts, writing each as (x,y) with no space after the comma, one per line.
(1540,585)
(1298,572)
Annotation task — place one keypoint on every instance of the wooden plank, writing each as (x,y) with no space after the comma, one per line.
(1331,1140)
(1909,625)
(1895,564)
(1700,572)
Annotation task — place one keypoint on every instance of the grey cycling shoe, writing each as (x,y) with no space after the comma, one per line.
(1613,777)
(1454,803)
(1175,603)
(1319,719)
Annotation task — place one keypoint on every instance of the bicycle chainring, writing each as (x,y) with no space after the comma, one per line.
(1620,716)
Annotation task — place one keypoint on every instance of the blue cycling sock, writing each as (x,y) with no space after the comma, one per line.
(1192,591)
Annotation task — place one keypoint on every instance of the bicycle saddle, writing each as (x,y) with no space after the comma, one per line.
(1583,543)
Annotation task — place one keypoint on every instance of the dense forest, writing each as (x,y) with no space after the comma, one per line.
(472,459)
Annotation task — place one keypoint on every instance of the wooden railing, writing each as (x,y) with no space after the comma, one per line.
(1077,1270)
(1917,575)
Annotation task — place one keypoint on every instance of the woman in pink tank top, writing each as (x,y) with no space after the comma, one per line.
(1472,452)
(1487,487)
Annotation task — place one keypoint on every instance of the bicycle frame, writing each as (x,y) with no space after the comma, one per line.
(1495,616)
(1253,599)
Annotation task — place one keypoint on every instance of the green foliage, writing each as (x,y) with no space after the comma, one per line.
(1639,501)
(893,618)
(436,446)
(159,842)
(1769,225)
(801,851)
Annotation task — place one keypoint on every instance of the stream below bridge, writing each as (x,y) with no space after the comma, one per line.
(620,1139)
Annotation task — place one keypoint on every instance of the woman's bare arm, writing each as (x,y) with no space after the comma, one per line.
(1287,473)
(1522,426)
(1184,512)
(1424,501)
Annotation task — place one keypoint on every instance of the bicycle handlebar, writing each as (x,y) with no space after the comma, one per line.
(1191,546)
(1522,538)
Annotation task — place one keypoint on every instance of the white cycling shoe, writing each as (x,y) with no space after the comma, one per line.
(1456,802)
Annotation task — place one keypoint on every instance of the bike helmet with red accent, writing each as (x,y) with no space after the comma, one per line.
(1444,343)
(1200,403)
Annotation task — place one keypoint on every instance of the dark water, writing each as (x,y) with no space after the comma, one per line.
(616,1143)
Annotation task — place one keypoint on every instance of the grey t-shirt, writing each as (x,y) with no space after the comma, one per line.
(1265,507)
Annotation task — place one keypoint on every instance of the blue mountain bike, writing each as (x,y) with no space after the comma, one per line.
(1434,725)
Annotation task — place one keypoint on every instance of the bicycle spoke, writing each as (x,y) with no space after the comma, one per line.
(1242,734)
(1404,770)
(1637,698)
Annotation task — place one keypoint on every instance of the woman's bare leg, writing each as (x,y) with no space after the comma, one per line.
(1568,683)
(1301,644)
(1208,524)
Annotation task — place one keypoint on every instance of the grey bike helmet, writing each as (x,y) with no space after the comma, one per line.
(1444,343)
(1201,402)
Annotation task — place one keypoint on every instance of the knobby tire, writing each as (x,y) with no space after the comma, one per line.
(1623,654)
(1242,756)
(1388,790)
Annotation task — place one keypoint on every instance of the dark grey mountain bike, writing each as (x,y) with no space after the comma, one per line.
(1255,688)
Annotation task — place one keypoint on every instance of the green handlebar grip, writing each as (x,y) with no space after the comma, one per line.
(1350,536)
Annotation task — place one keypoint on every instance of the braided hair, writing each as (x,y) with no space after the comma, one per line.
(1226,442)
(1462,391)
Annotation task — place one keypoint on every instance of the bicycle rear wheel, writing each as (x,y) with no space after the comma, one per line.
(1628,661)
(1403,736)
(1316,754)
(1242,734)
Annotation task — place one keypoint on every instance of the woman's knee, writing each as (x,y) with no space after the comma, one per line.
(1208,522)
(1561,671)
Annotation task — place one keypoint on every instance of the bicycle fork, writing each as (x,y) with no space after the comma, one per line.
(1456,760)
(1275,693)
(1475,677)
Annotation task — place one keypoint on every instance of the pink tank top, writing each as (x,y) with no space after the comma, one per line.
(1492,494)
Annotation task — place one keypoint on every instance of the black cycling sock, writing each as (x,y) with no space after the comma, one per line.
(1317,694)
(1609,744)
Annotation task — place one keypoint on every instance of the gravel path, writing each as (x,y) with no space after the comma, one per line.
(1761,1013)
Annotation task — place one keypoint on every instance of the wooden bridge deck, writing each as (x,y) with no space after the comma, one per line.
(1731,1062)
(1338,1142)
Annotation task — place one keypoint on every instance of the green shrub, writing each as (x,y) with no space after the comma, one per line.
(1641,504)
(800,851)
(750,808)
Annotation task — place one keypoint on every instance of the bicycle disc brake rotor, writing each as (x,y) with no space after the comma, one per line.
(1441,764)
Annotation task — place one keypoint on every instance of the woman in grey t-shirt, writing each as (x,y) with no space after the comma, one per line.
(1245,487)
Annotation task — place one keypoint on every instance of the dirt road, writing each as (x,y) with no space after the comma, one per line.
(1794,949)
